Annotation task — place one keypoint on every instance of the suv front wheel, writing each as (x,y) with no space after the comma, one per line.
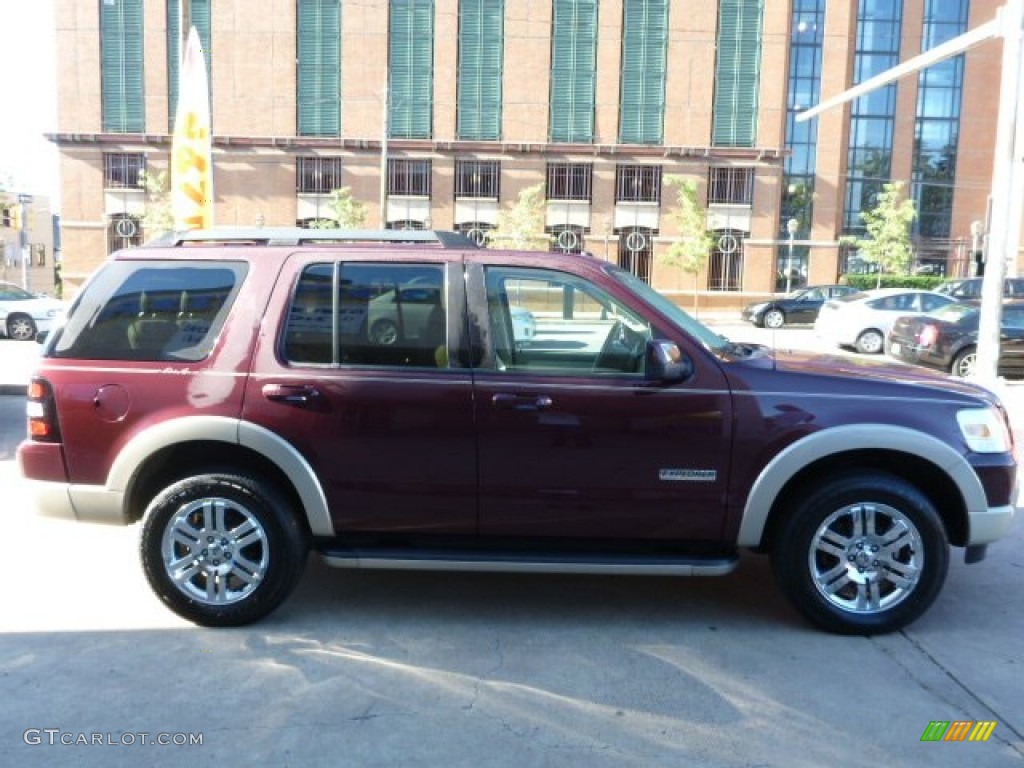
(222,549)
(863,553)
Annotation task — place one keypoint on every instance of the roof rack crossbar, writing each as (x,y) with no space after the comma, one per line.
(299,236)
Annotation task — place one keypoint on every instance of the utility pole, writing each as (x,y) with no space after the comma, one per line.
(23,242)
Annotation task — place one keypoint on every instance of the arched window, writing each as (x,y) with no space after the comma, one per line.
(725,267)
(475,231)
(567,238)
(636,246)
(123,231)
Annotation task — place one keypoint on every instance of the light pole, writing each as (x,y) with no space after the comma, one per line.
(977,230)
(791,227)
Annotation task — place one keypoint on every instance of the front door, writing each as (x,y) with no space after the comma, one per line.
(574,441)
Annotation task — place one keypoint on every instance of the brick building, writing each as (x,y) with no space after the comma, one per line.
(461,104)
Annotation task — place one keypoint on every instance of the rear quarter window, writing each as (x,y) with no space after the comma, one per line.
(159,311)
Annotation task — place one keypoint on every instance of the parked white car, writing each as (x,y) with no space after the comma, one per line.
(863,320)
(24,314)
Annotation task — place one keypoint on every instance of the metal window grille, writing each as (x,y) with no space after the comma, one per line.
(725,267)
(636,249)
(477,178)
(123,231)
(121,170)
(569,181)
(566,238)
(731,186)
(406,224)
(638,184)
(475,231)
(318,175)
(409,177)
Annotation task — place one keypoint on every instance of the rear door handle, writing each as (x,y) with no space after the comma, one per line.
(510,401)
(299,394)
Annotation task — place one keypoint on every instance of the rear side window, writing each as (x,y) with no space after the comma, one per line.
(160,311)
(368,314)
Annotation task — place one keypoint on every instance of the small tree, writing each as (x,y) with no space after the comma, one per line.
(887,244)
(690,252)
(521,225)
(349,213)
(158,218)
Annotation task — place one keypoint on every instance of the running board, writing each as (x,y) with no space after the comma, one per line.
(515,562)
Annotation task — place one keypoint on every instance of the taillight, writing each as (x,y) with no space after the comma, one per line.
(927,336)
(41,411)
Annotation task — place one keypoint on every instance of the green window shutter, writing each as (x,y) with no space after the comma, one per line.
(199,11)
(481,56)
(411,69)
(319,68)
(642,88)
(573,68)
(737,73)
(121,72)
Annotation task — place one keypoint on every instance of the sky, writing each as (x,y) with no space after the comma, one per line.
(28,104)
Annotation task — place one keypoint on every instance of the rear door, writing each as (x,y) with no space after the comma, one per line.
(355,372)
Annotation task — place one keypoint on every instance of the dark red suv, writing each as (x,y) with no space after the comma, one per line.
(252,395)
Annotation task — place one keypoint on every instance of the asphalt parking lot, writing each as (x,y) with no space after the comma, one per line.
(374,668)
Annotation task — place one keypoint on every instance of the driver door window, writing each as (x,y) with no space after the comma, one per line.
(547,322)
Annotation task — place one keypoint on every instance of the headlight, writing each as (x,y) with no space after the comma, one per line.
(984,430)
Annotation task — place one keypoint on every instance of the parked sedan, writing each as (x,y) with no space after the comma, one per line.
(798,307)
(24,314)
(970,288)
(948,339)
(863,320)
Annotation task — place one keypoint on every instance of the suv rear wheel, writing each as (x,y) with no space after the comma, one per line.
(222,549)
(862,553)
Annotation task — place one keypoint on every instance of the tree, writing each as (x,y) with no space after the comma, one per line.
(158,218)
(521,224)
(690,252)
(887,244)
(349,213)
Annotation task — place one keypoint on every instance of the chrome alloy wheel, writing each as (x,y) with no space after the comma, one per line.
(866,558)
(215,551)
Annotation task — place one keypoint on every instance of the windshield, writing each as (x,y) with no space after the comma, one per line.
(676,314)
(11,292)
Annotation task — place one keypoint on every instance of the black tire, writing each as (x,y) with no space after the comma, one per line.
(870,342)
(774,318)
(253,556)
(21,327)
(827,568)
(965,363)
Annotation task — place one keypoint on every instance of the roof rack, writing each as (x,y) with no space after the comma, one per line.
(298,236)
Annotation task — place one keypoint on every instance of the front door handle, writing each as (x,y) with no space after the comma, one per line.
(509,401)
(299,394)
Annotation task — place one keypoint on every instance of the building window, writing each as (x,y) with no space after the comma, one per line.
(406,224)
(123,170)
(937,129)
(872,117)
(410,178)
(481,57)
(477,178)
(566,238)
(318,175)
(475,231)
(121,66)
(411,69)
(725,265)
(638,184)
(636,247)
(123,231)
(806,44)
(573,70)
(318,68)
(731,186)
(642,83)
(569,181)
(737,73)
(199,17)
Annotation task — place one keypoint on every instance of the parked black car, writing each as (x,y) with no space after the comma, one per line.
(948,339)
(798,307)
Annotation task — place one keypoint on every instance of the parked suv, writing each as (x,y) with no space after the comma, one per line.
(229,390)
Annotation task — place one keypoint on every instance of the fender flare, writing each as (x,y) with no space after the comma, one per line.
(236,432)
(883,437)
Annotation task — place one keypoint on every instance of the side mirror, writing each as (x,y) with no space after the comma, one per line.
(666,362)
